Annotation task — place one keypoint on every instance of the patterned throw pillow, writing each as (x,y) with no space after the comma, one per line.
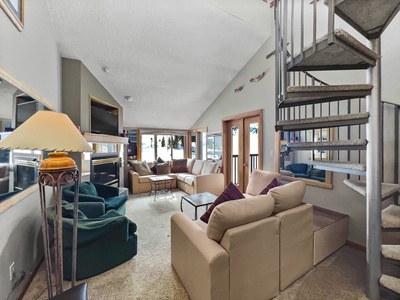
(231,192)
(272,184)
(163,168)
(154,167)
(179,166)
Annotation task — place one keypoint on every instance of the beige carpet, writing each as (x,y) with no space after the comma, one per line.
(149,274)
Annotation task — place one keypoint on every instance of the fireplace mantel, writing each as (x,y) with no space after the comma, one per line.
(104,138)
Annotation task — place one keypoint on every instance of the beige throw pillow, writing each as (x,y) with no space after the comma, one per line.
(259,180)
(288,196)
(141,168)
(198,165)
(238,212)
(190,164)
(209,167)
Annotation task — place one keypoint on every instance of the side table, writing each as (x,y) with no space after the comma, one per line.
(198,200)
(160,185)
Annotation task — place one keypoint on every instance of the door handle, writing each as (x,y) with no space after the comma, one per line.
(244,165)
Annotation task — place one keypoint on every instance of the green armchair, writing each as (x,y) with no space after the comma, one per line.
(105,240)
(94,192)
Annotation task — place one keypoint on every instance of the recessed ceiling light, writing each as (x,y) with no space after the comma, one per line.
(106,70)
(128,98)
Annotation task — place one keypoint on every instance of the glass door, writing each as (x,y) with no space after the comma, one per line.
(242,150)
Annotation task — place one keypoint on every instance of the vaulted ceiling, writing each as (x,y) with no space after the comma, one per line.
(172,57)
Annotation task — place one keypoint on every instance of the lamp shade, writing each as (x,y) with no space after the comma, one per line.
(47,131)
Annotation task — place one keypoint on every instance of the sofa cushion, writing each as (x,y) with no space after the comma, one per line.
(231,192)
(198,165)
(288,195)
(182,176)
(163,168)
(141,168)
(239,212)
(190,163)
(209,167)
(259,180)
(190,179)
(271,185)
(145,179)
(179,166)
(154,167)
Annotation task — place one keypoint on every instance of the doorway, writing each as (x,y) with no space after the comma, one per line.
(242,147)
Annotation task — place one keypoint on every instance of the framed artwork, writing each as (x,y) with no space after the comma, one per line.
(320,135)
(14,9)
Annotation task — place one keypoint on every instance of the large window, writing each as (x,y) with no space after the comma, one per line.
(165,146)
(214,147)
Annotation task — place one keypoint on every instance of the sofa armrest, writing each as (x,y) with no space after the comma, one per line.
(201,263)
(212,183)
(134,181)
(296,243)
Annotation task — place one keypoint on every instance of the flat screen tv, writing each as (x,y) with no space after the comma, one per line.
(104,119)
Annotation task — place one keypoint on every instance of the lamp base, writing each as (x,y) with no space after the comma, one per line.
(57,161)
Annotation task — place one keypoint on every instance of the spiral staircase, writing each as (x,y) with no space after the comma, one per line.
(306,104)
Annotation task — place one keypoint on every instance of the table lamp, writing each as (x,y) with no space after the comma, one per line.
(53,131)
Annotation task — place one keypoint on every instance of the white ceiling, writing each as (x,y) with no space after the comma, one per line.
(173,57)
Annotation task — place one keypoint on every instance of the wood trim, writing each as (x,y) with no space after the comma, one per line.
(19,23)
(12,79)
(310,182)
(29,280)
(253,113)
(7,203)
(356,246)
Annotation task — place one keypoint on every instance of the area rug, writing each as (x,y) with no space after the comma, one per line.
(149,275)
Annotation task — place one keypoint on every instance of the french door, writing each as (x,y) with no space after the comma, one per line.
(242,147)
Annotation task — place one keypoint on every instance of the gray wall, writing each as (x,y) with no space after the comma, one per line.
(32,57)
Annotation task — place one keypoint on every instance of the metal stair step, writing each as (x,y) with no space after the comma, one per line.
(344,53)
(387,189)
(302,95)
(322,122)
(330,145)
(391,217)
(390,283)
(366,21)
(340,167)
(391,251)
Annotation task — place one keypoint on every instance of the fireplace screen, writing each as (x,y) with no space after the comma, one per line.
(104,169)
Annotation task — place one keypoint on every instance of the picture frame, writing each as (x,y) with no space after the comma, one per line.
(14,9)
(320,135)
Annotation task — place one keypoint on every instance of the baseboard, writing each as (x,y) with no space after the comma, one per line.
(28,280)
(356,246)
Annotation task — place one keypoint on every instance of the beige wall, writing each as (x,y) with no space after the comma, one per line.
(254,96)
(32,57)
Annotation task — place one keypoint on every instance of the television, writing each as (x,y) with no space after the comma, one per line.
(103,119)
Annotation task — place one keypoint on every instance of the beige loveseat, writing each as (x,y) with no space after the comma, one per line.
(250,249)
(198,176)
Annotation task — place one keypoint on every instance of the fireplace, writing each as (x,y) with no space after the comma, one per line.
(25,169)
(104,168)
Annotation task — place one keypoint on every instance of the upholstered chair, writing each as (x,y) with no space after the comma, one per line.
(105,239)
(94,192)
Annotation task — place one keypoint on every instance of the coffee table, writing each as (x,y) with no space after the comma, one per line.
(160,185)
(198,200)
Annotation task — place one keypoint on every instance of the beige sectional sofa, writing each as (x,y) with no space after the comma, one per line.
(250,249)
(198,176)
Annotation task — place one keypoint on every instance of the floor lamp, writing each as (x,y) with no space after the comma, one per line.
(52,131)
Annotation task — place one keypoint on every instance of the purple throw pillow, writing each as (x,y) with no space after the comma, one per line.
(231,192)
(272,184)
